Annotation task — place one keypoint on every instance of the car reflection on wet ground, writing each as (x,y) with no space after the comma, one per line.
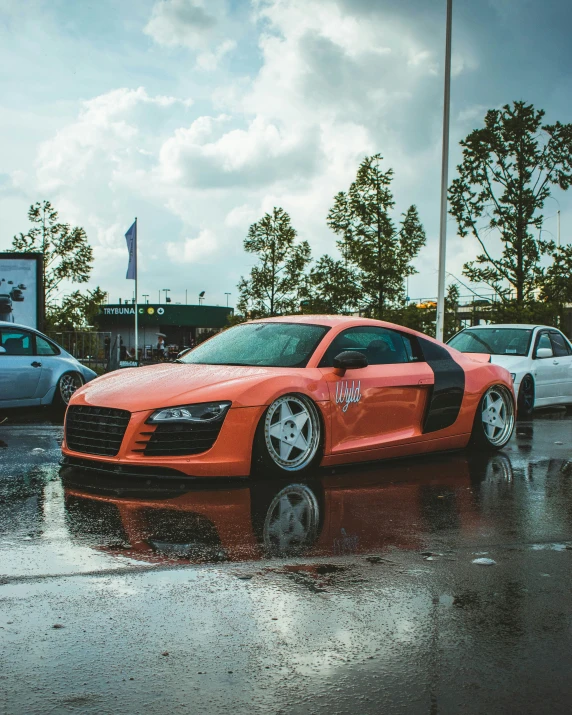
(437,584)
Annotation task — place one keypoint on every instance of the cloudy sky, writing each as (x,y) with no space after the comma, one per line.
(198,116)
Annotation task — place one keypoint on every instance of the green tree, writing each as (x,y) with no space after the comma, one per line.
(376,252)
(508,169)
(557,278)
(77,311)
(67,253)
(276,284)
(332,287)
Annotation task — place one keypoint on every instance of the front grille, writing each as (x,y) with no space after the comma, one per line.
(95,430)
(177,439)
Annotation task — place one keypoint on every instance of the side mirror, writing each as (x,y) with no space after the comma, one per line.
(2,350)
(350,360)
(542,353)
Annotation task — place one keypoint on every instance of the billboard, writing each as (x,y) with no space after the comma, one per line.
(22,289)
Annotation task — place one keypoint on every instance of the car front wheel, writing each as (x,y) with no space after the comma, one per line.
(494,419)
(289,437)
(68,383)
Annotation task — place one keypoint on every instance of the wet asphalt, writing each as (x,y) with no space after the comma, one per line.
(436,585)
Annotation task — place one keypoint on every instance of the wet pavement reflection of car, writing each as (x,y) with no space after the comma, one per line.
(359,511)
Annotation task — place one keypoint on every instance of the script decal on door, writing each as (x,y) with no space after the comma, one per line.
(346,394)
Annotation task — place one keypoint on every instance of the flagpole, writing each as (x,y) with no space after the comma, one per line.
(136,311)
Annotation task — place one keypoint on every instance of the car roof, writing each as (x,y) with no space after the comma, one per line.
(326,320)
(6,324)
(524,326)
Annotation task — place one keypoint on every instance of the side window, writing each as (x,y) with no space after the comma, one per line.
(379,345)
(16,342)
(559,345)
(543,342)
(43,347)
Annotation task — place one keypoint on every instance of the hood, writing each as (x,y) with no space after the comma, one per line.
(510,362)
(168,385)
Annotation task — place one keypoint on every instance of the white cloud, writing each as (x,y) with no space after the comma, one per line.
(210,60)
(202,27)
(472,114)
(203,156)
(326,82)
(241,216)
(194,250)
(187,23)
(109,127)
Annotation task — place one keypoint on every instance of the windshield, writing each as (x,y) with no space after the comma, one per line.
(496,341)
(262,344)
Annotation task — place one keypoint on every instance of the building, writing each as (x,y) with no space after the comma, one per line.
(182,325)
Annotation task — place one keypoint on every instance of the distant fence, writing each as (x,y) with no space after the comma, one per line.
(90,348)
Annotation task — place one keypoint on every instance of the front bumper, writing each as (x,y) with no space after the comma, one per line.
(230,456)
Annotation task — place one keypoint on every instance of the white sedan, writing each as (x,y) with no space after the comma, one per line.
(538,357)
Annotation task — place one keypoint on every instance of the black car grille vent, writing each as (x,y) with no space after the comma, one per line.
(177,439)
(95,430)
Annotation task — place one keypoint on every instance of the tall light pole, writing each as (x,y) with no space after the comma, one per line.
(166,291)
(440,324)
(145,296)
(227,295)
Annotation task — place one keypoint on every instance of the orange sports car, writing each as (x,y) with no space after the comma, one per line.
(283,395)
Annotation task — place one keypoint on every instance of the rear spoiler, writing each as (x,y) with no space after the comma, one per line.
(479,357)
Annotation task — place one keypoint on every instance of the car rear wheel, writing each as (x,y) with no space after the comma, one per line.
(289,437)
(526,398)
(68,383)
(494,419)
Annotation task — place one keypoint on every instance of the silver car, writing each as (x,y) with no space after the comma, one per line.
(36,371)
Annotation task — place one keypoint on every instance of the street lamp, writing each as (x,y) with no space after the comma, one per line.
(146,296)
(166,291)
(201,297)
(440,322)
(227,295)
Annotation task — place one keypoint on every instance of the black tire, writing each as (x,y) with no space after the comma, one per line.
(266,459)
(525,402)
(502,418)
(63,391)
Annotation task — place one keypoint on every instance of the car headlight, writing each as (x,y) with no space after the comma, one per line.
(513,375)
(205,412)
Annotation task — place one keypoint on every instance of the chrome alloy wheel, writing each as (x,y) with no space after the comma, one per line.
(497,415)
(69,383)
(291,523)
(292,432)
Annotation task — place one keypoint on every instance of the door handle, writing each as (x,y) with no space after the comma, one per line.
(36,364)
